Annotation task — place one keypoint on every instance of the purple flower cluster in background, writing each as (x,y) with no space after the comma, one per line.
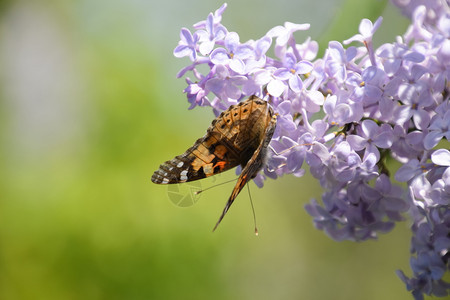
(345,114)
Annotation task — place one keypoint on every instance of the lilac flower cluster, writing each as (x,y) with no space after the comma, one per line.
(344,115)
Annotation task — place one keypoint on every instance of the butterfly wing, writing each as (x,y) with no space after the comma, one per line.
(219,150)
(208,156)
(253,166)
(239,136)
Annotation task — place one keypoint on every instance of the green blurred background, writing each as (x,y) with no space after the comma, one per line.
(90,107)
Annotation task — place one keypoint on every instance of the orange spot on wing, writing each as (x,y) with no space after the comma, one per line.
(221,165)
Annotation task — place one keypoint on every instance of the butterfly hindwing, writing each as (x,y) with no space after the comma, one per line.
(252,168)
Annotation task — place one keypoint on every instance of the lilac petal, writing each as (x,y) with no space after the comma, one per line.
(343,149)
(286,123)
(276,31)
(421,119)
(432,139)
(276,88)
(402,114)
(320,128)
(395,204)
(336,51)
(262,77)
(356,142)
(350,53)
(206,47)
(219,56)
(385,137)
(232,41)
(377,24)
(304,67)
(184,50)
(441,157)
(282,74)
(259,180)
(186,36)
(355,38)
(284,108)
(342,112)
(244,51)
(414,137)
(316,97)
(296,27)
(237,65)
(295,83)
(287,141)
(338,71)
(369,128)
(262,45)
(372,149)
(209,26)
(365,28)
(407,171)
(233,92)
(372,91)
(392,66)
(321,151)
(295,160)
(414,57)
(383,184)
(370,160)
(220,33)
(417,71)
(215,85)
(290,60)
(238,80)
(330,104)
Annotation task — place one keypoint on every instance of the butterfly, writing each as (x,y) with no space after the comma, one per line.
(238,136)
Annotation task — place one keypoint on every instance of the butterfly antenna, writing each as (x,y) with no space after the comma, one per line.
(253,210)
(213,186)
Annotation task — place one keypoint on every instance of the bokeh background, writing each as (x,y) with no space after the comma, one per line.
(89,108)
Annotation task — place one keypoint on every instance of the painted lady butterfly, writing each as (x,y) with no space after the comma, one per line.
(239,136)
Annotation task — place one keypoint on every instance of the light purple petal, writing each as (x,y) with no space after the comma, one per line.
(295,83)
(237,65)
(316,97)
(304,67)
(441,157)
(206,47)
(244,51)
(276,88)
(369,128)
(432,139)
(407,171)
(358,143)
(183,50)
(365,28)
(219,56)
(282,74)
(232,41)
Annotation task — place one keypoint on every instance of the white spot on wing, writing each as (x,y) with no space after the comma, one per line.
(180,164)
(165,180)
(183,176)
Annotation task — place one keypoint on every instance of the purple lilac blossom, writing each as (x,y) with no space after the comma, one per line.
(344,114)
